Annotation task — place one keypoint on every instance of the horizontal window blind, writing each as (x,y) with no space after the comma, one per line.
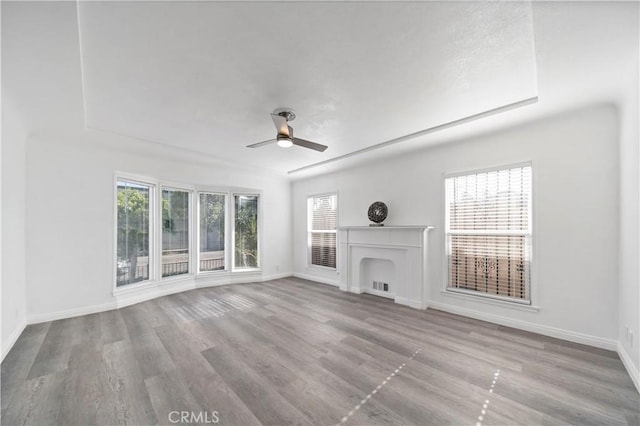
(323,215)
(323,249)
(488,225)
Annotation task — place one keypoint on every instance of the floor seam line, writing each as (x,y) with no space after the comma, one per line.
(376,389)
(485,406)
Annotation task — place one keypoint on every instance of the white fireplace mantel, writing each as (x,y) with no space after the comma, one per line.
(396,253)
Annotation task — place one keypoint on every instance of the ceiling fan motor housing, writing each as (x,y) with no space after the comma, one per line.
(284,135)
(287,113)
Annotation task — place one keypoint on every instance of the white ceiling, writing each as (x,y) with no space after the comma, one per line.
(204,76)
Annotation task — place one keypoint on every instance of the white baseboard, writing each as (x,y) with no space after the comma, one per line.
(412,303)
(6,347)
(70,313)
(218,279)
(316,279)
(153,293)
(546,330)
(148,293)
(380,293)
(277,276)
(244,278)
(628,364)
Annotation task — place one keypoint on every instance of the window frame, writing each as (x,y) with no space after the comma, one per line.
(155,231)
(153,189)
(527,304)
(159,230)
(310,231)
(227,230)
(232,224)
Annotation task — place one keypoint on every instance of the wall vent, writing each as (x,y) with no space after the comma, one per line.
(380,286)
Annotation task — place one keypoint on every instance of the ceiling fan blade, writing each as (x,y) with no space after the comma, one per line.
(263,143)
(281,124)
(309,144)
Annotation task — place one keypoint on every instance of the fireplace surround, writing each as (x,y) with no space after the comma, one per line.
(392,255)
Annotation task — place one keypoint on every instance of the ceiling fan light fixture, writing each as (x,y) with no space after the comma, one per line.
(284,136)
(285,142)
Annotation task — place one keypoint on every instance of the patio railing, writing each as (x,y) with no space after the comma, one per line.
(168,270)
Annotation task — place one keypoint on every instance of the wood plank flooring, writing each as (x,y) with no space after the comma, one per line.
(291,351)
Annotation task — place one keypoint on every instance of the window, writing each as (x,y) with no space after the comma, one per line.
(133,232)
(322,220)
(175,232)
(212,213)
(488,227)
(246,231)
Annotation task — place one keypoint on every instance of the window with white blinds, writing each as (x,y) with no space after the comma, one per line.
(488,227)
(322,221)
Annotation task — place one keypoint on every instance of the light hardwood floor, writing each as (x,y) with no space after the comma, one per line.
(294,352)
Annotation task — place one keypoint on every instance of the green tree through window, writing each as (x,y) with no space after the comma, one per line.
(175,232)
(246,231)
(133,233)
(212,226)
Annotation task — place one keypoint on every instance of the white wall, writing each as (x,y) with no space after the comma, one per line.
(70,216)
(13,291)
(575,167)
(629,274)
(69,176)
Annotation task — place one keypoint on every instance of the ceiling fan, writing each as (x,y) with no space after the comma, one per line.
(284,137)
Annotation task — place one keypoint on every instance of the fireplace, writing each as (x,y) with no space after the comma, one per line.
(387,261)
